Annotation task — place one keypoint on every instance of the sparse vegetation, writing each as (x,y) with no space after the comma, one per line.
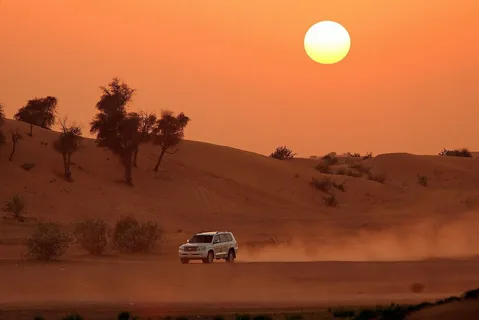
(340,186)
(355,174)
(330,159)
(168,133)
(360,167)
(323,184)
(68,143)
(464,152)
(16,206)
(422,180)
(114,127)
(48,241)
(341,171)
(381,178)
(331,200)
(368,155)
(38,112)
(324,168)
(16,137)
(92,235)
(282,153)
(352,155)
(130,235)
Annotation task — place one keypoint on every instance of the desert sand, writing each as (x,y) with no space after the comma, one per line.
(295,252)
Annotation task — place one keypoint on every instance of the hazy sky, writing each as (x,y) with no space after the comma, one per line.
(239,70)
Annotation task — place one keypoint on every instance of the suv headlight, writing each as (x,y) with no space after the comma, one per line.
(182,247)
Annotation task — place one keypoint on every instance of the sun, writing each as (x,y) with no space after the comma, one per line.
(327,42)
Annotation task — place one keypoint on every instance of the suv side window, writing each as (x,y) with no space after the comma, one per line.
(229,237)
(223,238)
(216,238)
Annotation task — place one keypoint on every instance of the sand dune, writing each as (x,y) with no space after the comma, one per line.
(269,204)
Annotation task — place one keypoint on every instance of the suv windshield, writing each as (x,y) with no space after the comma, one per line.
(198,238)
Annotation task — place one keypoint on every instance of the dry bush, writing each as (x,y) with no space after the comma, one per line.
(92,235)
(330,159)
(48,242)
(355,174)
(464,152)
(376,177)
(353,155)
(360,167)
(331,200)
(130,235)
(282,153)
(324,168)
(340,186)
(16,206)
(341,171)
(324,184)
(422,180)
(368,155)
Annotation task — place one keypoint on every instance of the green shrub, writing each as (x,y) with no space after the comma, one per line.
(92,235)
(48,242)
(130,235)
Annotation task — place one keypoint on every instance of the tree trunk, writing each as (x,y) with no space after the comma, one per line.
(66,167)
(127,164)
(31,131)
(13,151)
(135,155)
(159,159)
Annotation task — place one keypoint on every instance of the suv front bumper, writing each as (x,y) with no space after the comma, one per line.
(192,255)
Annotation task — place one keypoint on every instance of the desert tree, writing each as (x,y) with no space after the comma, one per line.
(38,112)
(168,132)
(67,144)
(116,129)
(2,118)
(16,137)
(147,123)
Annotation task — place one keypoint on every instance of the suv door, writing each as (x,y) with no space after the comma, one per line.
(217,245)
(224,244)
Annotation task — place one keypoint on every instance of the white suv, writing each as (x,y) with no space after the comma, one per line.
(207,246)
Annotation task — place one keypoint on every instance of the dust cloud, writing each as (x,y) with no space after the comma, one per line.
(426,239)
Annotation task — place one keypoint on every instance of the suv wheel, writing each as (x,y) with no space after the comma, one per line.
(184,261)
(209,258)
(231,256)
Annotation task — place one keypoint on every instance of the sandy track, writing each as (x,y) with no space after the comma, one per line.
(169,286)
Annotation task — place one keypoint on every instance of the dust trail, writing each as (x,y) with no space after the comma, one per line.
(426,239)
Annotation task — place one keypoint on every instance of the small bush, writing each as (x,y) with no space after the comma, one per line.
(376,177)
(16,206)
(353,155)
(368,155)
(92,235)
(27,166)
(340,186)
(331,200)
(132,236)
(282,153)
(464,152)
(360,167)
(48,242)
(355,174)
(324,184)
(330,159)
(341,171)
(422,180)
(324,168)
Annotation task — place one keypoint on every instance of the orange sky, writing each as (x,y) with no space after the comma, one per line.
(238,68)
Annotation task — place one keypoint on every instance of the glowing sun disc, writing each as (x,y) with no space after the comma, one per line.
(327,42)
